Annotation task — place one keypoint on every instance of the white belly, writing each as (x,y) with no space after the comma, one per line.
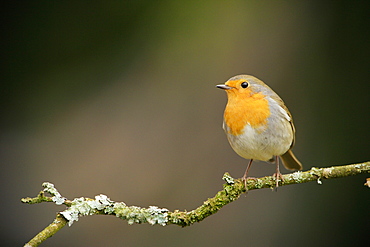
(263,143)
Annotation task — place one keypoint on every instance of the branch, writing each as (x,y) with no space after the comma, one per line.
(162,216)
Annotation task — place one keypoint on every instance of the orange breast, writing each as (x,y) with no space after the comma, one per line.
(245,109)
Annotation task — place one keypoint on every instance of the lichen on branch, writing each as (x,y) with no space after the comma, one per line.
(154,215)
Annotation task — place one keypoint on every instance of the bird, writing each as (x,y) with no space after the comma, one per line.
(258,125)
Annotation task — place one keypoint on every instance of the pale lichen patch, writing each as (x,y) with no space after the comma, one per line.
(228,179)
(295,176)
(317,173)
(57,197)
(84,206)
(133,214)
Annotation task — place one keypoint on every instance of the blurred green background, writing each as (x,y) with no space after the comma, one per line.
(119,98)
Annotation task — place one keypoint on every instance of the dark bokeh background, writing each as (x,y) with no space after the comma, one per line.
(119,98)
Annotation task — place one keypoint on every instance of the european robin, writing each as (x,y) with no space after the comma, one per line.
(257,123)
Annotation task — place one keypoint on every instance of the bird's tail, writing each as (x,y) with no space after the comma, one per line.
(290,161)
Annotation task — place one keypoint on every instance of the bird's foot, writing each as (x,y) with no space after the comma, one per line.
(278,176)
(245,181)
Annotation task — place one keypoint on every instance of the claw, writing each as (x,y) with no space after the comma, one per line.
(277,174)
(277,177)
(244,178)
(245,181)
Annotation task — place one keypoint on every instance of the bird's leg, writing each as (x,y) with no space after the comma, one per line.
(246,174)
(277,174)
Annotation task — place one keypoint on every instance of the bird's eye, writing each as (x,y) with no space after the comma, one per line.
(244,84)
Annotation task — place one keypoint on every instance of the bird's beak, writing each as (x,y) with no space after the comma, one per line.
(224,87)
